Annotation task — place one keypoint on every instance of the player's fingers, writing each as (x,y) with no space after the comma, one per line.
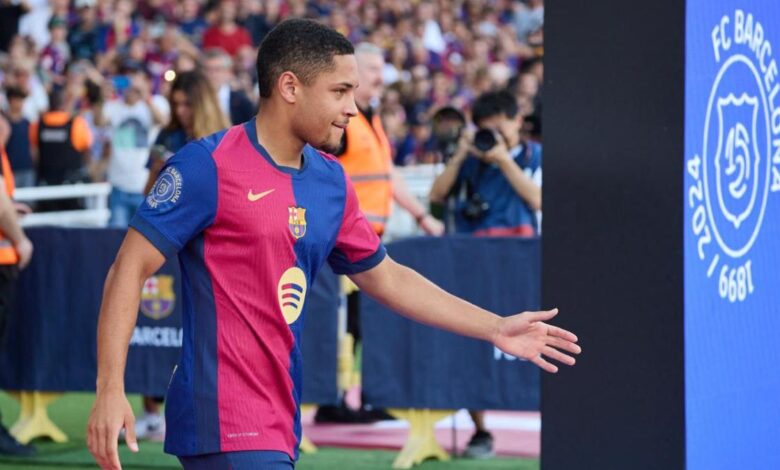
(564,345)
(100,446)
(544,364)
(561,333)
(111,452)
(543,315)
(553,353)
(89,439)
(130,439)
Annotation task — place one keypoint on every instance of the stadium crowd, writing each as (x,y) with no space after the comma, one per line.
(438,53)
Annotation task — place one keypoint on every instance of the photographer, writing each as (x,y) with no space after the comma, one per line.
(493,177)
(493,181)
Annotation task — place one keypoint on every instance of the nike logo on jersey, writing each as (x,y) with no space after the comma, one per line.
(256,197)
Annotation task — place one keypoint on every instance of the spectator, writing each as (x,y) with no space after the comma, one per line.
(18,146)
(61,142)
(10,14)
(218,67)
(84,39)
(416,147)
(226,34)
(195,114)
(35,24)
(22,76)
(191,23)
(122,26)
(132,120)
(258,17)
(497,185)
(56,55)
(528,18)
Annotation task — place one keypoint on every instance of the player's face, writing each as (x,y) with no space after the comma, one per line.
(328,104)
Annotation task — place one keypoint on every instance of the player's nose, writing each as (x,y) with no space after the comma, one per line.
(351,110)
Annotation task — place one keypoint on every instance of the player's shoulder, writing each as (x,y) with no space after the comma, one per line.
(323,155)
(211,142)
(325,162)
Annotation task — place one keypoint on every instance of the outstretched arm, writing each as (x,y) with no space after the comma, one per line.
(136,261)
(524,335)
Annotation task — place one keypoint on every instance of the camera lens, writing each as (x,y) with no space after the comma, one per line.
(484,140)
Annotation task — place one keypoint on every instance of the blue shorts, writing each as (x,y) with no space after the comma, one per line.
(243,460)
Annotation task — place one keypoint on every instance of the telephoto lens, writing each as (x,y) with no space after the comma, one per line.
(484,140)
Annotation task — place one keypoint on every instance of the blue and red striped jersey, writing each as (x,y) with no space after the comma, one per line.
(250,236)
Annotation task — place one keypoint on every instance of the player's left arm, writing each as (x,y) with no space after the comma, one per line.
(523,335)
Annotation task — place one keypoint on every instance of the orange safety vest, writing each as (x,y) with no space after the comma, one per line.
(8,253)
(369,163)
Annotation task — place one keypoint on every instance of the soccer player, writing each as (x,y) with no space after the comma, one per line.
(253,212)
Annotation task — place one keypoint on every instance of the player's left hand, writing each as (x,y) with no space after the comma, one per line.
(526,335)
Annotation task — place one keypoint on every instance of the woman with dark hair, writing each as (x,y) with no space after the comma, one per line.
(195,113)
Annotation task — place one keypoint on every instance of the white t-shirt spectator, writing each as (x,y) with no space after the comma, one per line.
(131,134)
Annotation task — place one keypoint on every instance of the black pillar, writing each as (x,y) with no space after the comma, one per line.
(613,232)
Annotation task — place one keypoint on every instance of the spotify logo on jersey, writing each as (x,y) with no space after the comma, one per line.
(292,293)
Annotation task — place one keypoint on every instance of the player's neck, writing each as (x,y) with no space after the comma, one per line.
(283,147)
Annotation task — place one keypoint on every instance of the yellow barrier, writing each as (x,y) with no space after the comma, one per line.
(421,444)
(33,419)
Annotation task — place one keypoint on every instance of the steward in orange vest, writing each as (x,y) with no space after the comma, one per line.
(368,161)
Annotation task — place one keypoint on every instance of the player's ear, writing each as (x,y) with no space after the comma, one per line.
(288,86)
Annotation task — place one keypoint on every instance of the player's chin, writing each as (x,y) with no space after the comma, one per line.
(332,143)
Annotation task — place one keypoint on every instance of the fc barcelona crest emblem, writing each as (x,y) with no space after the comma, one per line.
(157,297)
(297,221)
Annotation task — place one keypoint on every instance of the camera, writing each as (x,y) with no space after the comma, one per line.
(448,124)
(475,207)
(484,140)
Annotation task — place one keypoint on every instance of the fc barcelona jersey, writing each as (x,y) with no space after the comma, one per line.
(250,236)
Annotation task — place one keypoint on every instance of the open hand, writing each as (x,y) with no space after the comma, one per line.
(526,335)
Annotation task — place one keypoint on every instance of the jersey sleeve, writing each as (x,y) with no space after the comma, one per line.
(182,202)
(357,247)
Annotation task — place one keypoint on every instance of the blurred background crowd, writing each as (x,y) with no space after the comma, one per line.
(76,58)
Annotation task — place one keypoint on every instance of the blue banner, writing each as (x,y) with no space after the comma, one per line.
(406,364)
(51,339)
(732,234)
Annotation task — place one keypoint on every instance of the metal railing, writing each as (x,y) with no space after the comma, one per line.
(96,213)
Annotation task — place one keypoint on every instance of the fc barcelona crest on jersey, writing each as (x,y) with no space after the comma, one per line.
(157,297)
(297,221)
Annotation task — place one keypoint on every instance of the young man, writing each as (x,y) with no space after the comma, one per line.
(254,212)
(497,190)
(131,119)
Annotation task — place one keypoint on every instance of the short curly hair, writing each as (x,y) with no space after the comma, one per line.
(303,47)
